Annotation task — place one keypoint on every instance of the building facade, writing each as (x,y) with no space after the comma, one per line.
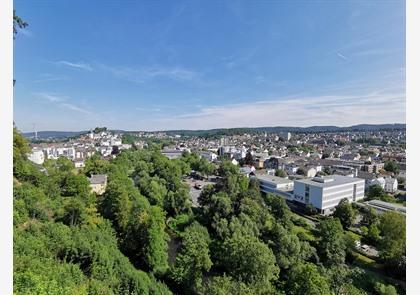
(325,193)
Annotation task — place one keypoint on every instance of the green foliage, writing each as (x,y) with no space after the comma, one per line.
(225,285)
(251,261)
(392,246)
(392,166)
(345,213)
(99,129)
(369,216)
(288,249)
(306,279)
(382,289)
(331,245)
(301,171)
(280,173)
(193,258)
(95,165)
(280,210)
(129,139)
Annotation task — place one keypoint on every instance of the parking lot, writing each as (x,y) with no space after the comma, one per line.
(196,186)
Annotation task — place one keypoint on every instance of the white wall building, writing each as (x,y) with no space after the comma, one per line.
(391,185)
(324,193)
(36,156)
(276,185)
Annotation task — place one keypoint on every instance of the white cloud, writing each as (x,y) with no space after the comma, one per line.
(61,102)
(342,56)
(76,65)
(143,74)
(342,110)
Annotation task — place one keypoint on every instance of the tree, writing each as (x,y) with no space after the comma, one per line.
(194,256)
(251,261)
(369,216)
(280,210)
(225,285)
(306,279)
(345,212)
(249,159)
(18,23)
(95,165)
(287,248)
(331,246)
(392,245)
(280,173)
(301,171)
(375,192)
(391,166)
(382,289)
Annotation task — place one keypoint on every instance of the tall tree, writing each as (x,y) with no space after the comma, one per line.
(345,212)
(249,260)
(331,245)
(193,258)
(306,279)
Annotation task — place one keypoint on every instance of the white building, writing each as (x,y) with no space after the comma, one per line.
(79,163)
(324,193)
(210,156)
(391,185)
(36,156)
(276,185)
(376,181)
(116,142)
(56,152)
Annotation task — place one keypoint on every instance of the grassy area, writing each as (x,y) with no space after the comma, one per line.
(365,262)
(300,230)
(353,235)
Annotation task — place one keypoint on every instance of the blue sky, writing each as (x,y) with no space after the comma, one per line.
(156,65)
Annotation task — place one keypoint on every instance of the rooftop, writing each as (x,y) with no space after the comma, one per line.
(98,179)
(329,181)
(274,179)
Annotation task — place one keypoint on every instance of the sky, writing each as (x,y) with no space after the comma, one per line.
(165,65)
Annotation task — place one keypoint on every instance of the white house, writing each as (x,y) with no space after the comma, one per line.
(391,185)
(377,181)
(324,193)
(36,156)
(116,141)
(79,163)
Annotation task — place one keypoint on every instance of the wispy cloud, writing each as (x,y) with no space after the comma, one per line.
(341,110)
(49,78)
(141,75)
(342,56)
(62,102)
(75,65)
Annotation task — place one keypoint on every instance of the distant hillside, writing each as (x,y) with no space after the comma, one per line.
(231,131)
(54,134)
(312,129)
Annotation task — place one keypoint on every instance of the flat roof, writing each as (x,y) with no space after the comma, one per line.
(330,181)
(274,179)
(98,179)
(386,205)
